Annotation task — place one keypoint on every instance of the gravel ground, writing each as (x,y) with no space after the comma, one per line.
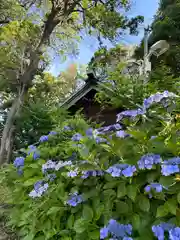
(5,232)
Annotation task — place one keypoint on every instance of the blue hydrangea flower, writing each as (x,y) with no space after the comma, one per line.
(61,164)
(43,138)
(104,232)
(36,155)
(38,184)
(89,132)
(156,98)
(67,128)
(20,171)
(122,134)
(32,148)
(115,171)
(73,173)
(52,133)
(51,177)
(100,140)
(127,238)
(148,160)
(156,186)
(39,190)
(76,137)
(174,234)
(118,170)
(159,230)
(19,162)
(170,166)
(119,230)
(130,113)
(172,161)
(49,165)
(167,226)
(91,173)
(168,170)
(75,199)
(129,171)
(109,128)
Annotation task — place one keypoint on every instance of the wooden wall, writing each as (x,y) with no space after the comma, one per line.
(92,110)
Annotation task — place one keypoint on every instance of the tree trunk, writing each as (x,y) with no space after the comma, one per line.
(29,74)
(6,140)
(9,147)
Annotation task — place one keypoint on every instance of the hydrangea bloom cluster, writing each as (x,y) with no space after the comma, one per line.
(51,165)
(130,113)
(85,174)
(67,128)
(119,170)
(174,234)
(148,161)
(76,137)
(109,128)
(19,162)
(159,231)
(116,230)
(100,140)
(91,173)
(156,98)
(75,199)
(61,164)
(170,166)
(153,186)
(122,134)
(73,173)
(89,132)
(52,133)
(36,153)
(31,149)
(39,188)
(43,138)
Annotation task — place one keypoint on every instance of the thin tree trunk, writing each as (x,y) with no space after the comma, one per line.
(9,147)
(29,74)
(9,127)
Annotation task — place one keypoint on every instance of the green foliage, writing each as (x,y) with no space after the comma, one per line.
(36,119)
(104,197)
(162,78)
(128,91)
(121,90)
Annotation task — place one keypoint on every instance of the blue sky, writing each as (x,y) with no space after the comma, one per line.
(88,46)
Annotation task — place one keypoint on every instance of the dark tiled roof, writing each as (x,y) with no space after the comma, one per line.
(91,83)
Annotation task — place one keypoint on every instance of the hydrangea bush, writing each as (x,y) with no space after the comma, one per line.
(116,182)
